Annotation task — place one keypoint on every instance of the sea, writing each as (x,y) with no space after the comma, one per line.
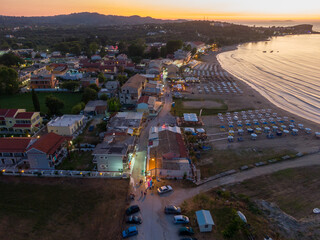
(285,70)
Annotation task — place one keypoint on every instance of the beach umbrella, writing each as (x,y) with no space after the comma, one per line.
(230,126)
(292,120)
(254,136)
(281,121)
(256,123)
(248,124)
(283,126)
(273,122)
(266,129)
(231,131)
(308,130)
(239,125)
(317,134)
(294,131)
(286,131)
(240,131)
(250,130)
(300,126)
(239,122)
(291,126)
(275,128)
(230,138)
(265,122)
(235,118)
(258,129)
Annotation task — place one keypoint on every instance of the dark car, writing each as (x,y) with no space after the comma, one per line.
(134,219)
(170,209)
(186,231)
(131,231)
(132,209)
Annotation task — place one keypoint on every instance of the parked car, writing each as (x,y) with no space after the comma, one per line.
(186,231)
(188,238)
(129,232)
(180,219)
(134,219)
(170,209)
(132,209)
(164,189)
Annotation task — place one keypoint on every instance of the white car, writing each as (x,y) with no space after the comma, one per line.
(164,189)
(180,219)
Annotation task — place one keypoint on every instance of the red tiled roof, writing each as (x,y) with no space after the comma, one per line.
(48,143)
(8,112)
(24,115)
(182,147)
(143,99)
(15,144)
(22,125)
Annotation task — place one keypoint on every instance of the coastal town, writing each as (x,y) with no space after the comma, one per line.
(167,139)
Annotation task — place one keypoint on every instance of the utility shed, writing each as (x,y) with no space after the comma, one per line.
(204,220)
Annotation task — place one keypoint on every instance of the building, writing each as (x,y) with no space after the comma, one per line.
(112,155)
(86,82)
(13,150)
(111,89)
(95,107)
(200,46)
(18,121)
(204,220)
(129,122)
(182,55)
(167,153)
(153,89)
(131,91)
(47,151)
(149,105)
(43,80)
(66,125)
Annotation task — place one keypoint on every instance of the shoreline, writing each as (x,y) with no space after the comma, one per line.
(262,96)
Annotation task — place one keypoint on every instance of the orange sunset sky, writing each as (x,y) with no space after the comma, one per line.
(168,9)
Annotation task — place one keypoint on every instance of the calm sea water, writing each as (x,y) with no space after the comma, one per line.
(286,70)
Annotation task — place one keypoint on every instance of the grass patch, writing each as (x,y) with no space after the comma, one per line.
(24,100)
(295,191)
(179,108)
(223,206)
(77,161)
(216,161)
(61,208)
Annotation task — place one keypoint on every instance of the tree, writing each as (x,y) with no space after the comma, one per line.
(114,105)
(89,94)
(122,47)
(174,45)
(122,79)
(76,109)
(154,53)
(193,51)
(54,105)
(9,83)
(35,101)
(70,85)
(136,50)
(104,97)
(163,51)
(102,78)
(94,87)
(11,60)
(93,48)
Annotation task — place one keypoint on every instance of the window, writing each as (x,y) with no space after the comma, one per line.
(206,226)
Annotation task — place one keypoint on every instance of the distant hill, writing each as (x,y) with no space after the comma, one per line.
(82,19)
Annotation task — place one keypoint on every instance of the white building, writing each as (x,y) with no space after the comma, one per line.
(204,220)
(66,125)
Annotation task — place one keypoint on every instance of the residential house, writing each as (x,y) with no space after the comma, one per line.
(19,121)
(111,89)
(66,125)
(167,153)
(48,151)
(43,80)
(131,91)
(112,154)
(86,82)
(149,105)
(129,122)
(153,88)
(182,55)
(96,107)
(13,150)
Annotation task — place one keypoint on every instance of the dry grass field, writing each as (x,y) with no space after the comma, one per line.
(61,208)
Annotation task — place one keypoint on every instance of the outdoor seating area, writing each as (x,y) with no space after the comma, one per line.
(256,124)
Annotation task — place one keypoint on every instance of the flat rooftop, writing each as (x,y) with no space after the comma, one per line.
(65,120)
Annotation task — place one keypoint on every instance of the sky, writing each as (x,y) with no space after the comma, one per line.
(171,9)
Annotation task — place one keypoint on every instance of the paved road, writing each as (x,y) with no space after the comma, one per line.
(157,225)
